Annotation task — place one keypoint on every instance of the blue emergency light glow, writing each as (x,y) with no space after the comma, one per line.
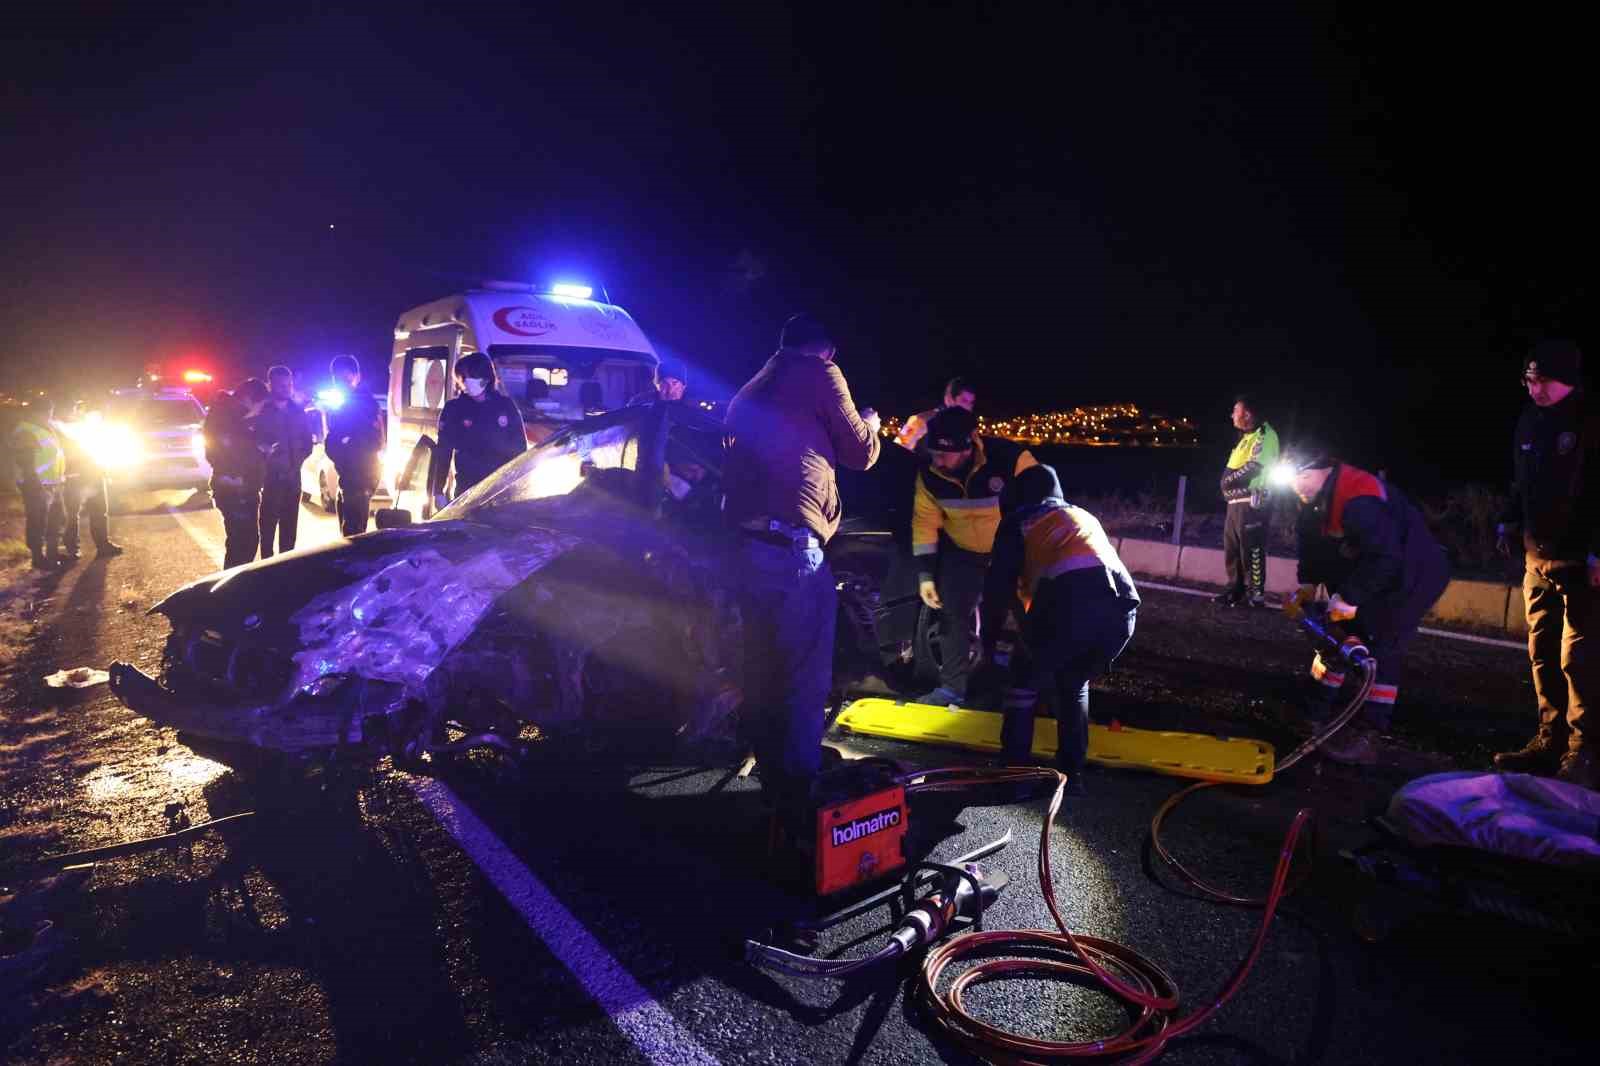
(333,399)
(576,292)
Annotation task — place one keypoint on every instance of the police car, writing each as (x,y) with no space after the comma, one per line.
(160,446)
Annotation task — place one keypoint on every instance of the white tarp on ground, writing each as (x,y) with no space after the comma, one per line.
(1517,815)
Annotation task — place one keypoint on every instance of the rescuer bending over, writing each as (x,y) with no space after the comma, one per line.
(1053,567)
(1369,545)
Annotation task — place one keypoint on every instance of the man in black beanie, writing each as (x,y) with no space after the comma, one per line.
(1555,506)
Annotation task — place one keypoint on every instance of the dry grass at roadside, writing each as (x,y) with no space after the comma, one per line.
(12,551)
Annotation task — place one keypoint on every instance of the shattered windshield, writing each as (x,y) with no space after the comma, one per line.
(554,468)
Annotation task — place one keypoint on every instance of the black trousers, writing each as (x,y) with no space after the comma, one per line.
(1244,549)
(280,516)
(241,524)
(85,494)
(355,508)
(43,517)
(960,584)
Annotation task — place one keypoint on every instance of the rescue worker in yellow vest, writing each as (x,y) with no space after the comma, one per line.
(958,392)
(41,473)
(1244,487)
(1055,570)
(955,512)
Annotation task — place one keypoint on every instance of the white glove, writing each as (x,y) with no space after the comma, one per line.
(870,417)
(1340,611)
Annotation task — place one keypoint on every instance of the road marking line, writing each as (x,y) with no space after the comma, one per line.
(1468,637)
(650,1026)
(201,536)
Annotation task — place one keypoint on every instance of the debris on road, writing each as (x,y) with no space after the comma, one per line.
(81,677)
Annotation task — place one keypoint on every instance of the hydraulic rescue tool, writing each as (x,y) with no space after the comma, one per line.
(961,892)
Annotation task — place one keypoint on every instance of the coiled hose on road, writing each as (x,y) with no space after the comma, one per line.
(1148,990)
(1121,971)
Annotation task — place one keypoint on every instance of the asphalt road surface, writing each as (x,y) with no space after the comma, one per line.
(588,909)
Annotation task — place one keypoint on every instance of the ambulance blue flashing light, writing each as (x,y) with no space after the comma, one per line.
(331,399)
(574,291)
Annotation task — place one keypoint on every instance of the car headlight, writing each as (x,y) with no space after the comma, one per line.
(114,447)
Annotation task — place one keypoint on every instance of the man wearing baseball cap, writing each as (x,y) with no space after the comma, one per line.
(955,512)
(1555,506)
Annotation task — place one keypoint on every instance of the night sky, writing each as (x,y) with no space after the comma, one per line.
(1363,213)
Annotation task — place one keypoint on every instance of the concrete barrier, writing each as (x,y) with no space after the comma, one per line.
(1283,576)
(1484,604)
(1149,557)
(1516,613)
(1204,565)
(1478,603)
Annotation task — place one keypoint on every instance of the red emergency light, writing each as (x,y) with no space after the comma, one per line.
(196,377)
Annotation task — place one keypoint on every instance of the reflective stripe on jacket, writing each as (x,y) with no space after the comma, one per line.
(39,451)
(1250,463)
(967,509)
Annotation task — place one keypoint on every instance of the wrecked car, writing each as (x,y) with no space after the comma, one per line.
(579,588)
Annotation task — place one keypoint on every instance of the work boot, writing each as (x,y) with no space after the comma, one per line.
(107,550)
(1255,601)
(1580,767)
(1354,745)
(72,554)
(1541,755)
(1231,598)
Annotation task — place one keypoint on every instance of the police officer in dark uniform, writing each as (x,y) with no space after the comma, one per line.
(1370,546)
(1555,506)
(283,433)
(480,430)
(355,444)
(237,468)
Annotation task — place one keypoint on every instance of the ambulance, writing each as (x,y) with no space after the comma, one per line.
(560,355)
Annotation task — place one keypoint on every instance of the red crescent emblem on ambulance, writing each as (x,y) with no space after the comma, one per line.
(523,321)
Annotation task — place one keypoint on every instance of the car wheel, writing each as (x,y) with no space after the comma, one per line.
(929,649)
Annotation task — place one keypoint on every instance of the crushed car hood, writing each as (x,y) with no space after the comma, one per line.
(387,606)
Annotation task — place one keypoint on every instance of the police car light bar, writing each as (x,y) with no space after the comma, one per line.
(576,292)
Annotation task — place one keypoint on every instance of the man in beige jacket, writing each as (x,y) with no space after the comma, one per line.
(790,427)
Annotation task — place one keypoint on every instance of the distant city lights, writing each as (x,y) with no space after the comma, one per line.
(1107,426)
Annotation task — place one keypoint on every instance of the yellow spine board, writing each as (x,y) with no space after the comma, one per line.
(1195,755)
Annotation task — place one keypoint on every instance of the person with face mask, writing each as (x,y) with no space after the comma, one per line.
(355,444)
(237,468)
(479,431)
(283,435)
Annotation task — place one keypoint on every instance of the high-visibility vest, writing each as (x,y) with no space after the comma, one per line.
(41,452)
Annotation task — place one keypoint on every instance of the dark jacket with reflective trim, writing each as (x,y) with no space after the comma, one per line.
(1048,555)
(965,506)
(1363,539)
(1555,494)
